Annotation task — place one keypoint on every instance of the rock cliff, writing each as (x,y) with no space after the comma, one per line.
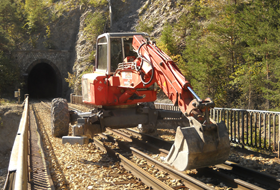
(69,29)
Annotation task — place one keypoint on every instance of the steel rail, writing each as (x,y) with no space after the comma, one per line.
(264,179)
(143,144)
(45,104)
(131,132)
(120,134)
(188,181)
(240,184)
(270,181)
(147,178)
(150,139)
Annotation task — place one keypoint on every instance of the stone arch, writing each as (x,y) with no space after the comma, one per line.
(41,65)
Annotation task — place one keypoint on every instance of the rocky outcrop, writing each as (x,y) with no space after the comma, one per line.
(84,47)
(125,15)
(157,13)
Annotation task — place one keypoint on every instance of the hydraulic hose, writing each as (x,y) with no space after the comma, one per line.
(141,65)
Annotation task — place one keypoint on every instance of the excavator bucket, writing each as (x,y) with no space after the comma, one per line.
(199,146)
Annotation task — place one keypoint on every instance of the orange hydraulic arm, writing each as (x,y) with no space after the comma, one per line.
(167,75)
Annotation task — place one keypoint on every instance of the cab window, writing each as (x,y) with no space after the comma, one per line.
(102,54)
(128,49)
(116,53)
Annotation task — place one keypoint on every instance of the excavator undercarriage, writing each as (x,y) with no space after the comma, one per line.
(195,145)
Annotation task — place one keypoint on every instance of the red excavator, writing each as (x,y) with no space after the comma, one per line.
(129,69)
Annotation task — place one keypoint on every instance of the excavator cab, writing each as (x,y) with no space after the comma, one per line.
(114,48)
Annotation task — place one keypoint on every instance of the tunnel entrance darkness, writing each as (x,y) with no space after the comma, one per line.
(43,82)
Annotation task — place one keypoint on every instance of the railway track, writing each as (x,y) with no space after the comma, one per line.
(141,155)
(228,175)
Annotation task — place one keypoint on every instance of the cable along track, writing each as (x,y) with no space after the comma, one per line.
(127,144)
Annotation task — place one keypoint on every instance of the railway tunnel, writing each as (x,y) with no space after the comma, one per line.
(43,80)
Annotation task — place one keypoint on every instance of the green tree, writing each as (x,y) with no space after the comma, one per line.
(35,14)
(143,26)
(9,20)
(168,39)
(259,31)
(9,74)
(95,24)
(224,44)
(206,60)
(10,26)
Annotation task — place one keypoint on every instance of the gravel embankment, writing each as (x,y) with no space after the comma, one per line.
(81,166)
(4,163)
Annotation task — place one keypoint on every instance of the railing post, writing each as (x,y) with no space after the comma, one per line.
(242,128)
(265,130)
(221,113)
(238,127)
(234,125)
(247,127)
(269,130)
(260,131)
(228,120)
(278,136)
(255,118)
(251,128)
(214,114)
(224,114)
(80,100)
(274,132)
(71,98)
(231,125)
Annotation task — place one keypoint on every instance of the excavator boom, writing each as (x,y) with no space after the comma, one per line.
(204,142)
(165,72)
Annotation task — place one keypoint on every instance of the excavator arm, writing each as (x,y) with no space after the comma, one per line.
(161,69)
(203,142)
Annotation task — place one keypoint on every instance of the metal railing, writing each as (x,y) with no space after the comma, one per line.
(78,99)
(252,128)
(17,177)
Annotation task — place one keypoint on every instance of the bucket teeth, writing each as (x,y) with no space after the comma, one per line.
(198,146)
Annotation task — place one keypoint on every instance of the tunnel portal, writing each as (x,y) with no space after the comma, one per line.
(43,82)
